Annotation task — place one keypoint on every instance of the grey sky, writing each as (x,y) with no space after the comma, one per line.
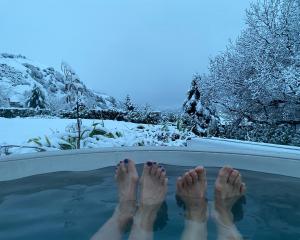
(147,48)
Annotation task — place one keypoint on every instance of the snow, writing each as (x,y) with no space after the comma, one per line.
(18,131)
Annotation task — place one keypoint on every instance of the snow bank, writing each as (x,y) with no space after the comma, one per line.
(52,133)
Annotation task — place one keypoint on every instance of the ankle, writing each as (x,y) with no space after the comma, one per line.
(145,217)
(124,213)
(196,214)
(223,216)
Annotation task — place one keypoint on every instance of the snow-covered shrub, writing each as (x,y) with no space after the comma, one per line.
(201,120)
(23,112)
(90,135)
(36,99)
(97,135)
(277,134)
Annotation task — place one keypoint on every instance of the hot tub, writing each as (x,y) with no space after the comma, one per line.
(69,194)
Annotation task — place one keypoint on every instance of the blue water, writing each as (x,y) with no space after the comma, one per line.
(70,205)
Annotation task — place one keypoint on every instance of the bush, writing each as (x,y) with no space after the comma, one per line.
(284,134)
(22,112)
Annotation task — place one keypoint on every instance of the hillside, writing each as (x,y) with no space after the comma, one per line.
(19,75)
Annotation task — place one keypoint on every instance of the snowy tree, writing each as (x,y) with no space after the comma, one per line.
(128,105)
(199,117)
(74,94)
(257,78)
(36,99)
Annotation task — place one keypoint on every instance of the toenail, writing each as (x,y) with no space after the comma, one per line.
(159,166)
(126,160)
(163,170)
(149,164)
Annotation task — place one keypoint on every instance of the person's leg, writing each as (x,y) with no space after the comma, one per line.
(153,192)
(191,189)
(228,189)
(126,177)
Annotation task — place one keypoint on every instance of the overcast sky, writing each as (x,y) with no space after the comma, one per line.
(146,48)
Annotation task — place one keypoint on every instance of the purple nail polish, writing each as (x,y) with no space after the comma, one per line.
(126,161)
(159,166)
(149,164)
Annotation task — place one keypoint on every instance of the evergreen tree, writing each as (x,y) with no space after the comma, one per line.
(128,105)
(36,99)
(198,117)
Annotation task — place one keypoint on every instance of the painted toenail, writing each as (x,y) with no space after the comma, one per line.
(126,160)
(159,166)
(163,170)
(149,164)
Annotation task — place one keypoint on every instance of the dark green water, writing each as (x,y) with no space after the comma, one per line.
(73,206)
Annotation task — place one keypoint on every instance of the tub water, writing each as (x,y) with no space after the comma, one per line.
(74,205)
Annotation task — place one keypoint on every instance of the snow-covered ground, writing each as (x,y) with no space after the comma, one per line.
(18,131)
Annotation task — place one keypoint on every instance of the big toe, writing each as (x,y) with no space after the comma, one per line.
(224,174)
(147,168)
(201,173)
(131,168)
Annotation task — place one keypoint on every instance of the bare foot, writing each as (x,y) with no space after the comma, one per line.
(153,184)
(126,177)
(191,188)
(153,191)
(228,189)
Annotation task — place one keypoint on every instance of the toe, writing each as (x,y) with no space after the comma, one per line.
(201,173)
(132,170)
(188,179)
(233,176)
(237,184)
(147,167)
(122,167)
(179,184)
(159,171)
(193,175)
(224,174)
(162,176)
(154,169)
(130,164)
(243,188)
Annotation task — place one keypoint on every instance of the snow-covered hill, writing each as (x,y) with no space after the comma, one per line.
(19,75)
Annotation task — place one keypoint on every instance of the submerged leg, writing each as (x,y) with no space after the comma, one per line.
(228,189)
(126,177)
(191,189)
(153,192)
